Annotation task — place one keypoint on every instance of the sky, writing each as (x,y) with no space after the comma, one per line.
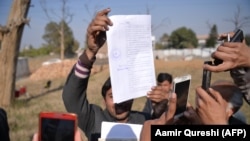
(166,15)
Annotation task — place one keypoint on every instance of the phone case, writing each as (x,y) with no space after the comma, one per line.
(56,119)
(181,88)
(182,78)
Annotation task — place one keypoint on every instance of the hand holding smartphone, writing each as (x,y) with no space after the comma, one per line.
(237,37)
(55,126)
(181,88)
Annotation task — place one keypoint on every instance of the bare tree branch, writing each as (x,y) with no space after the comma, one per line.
(209,25)
(91,13)
(237,20)
(65,17)
(162,23)
(54,13)
(43,5)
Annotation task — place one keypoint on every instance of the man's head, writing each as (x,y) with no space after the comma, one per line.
(165,80)
(230,93)
(119,111)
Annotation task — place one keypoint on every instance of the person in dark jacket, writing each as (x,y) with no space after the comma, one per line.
(4,126)
(90,116)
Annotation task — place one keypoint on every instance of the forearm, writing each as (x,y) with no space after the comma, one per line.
(248,57)
(146,131)
(241,77)
(74,92)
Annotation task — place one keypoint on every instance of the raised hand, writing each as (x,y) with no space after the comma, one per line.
(96,32)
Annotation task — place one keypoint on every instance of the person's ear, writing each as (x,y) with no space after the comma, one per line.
(104,101)
(229,112)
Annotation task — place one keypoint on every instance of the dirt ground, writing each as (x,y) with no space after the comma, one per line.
(23,114)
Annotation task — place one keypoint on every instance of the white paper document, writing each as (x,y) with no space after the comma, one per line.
(114,130)
(131,59)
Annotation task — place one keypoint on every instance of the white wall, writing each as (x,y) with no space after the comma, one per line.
(199,52)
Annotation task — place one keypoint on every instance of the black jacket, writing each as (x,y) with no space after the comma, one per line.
(90,116)
(4,127)
(241,77)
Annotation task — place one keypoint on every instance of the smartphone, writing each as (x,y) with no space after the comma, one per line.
(181,88)
(237,37)
(55,126)
(206,76)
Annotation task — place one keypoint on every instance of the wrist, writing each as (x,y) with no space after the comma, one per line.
(87,58)
(90,54)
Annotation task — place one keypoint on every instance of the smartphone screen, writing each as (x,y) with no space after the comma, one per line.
(57,127)
(181,88)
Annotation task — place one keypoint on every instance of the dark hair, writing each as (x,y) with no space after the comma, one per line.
(105,87)
(164,76)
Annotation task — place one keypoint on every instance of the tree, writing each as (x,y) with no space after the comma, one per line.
(163,42)
(34,52)
(164,38)
(66,17)
(10,36)
(183,38)
(239,21)
(52,37)
(212,39)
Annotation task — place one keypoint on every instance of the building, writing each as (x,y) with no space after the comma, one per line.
(202,40)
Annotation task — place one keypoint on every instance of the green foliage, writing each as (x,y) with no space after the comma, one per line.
(164,38)
(159,46)
(33,52)
(247,39)
(52,37)
(183,38)
(163,42)
(213,35)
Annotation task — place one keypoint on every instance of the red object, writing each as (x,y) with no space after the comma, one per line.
(20,92)
(16,94)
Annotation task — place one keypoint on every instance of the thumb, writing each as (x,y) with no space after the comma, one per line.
(78,135)
(171,108)
(35,137)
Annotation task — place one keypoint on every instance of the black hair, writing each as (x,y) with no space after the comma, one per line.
(105,87)
(164,76)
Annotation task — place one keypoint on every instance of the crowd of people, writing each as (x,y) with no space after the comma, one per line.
(224,96)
